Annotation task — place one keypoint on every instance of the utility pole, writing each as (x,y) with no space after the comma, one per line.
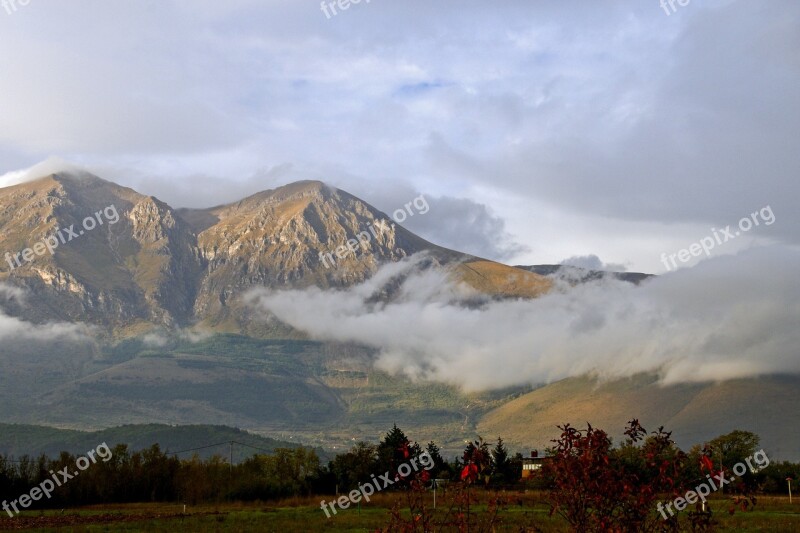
(231,460)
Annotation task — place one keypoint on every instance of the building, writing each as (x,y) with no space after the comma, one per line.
(532,464)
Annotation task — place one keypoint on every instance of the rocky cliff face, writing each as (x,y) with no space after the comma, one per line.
(142,263)
(289,237)
(118,257)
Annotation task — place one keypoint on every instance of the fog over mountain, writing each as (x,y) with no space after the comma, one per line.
(730,317)
(13,328)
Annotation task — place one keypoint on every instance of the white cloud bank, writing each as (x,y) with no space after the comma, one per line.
(51,165)
(729,317)
(16,329)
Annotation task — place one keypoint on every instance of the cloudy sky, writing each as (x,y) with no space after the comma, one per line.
(539,130)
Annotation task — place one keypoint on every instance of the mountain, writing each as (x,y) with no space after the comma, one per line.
(329,395)
(323,394)
(140,274)
(583,275)
(144,264)
(694,412)
(141,269)
(19,440)
(149,268)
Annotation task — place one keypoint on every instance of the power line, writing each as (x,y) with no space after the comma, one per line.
(253,447)
(200,448)
(226,443)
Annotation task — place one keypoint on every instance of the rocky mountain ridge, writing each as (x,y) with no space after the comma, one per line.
(165,267)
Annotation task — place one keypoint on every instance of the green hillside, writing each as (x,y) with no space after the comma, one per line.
(330,396)
(322,394)
(18,439)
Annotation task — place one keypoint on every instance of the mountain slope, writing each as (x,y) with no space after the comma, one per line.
(17,440)
(323,394)
(140,269)
(694,412)
(582,275)
(159,268)
(328,394)
(156,266)
(289,237)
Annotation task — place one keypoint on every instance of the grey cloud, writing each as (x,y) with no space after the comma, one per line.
(466,226)
(36,352)
(457,223)
(592,262)
(708,133)
(203,190)
(609,109)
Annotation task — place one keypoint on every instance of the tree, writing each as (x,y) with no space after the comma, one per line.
(515,467)
(723,453)
(596,489)
(439,464)
(355,466)
(394,450)
(502,463)
(478,463)
(773,478)
(733,447)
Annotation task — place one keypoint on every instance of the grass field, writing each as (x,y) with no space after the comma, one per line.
(302,515)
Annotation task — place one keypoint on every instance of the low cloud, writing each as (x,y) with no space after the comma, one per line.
(49,166)
(592,262)
(16,329)
(163,339)
(155,340)
(9,293)
(729,317)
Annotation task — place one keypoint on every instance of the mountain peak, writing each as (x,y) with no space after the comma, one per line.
(304,186)
(53,168)
(158,265)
